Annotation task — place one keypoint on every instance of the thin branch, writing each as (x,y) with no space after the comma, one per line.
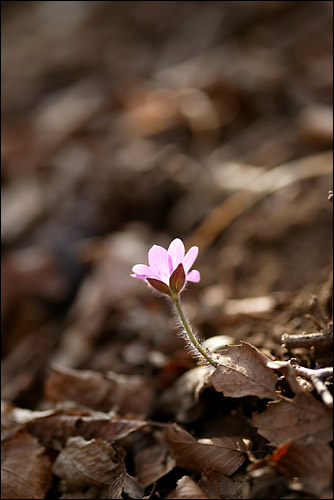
(316,376)
(319,340)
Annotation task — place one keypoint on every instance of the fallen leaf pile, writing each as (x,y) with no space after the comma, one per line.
(129,124)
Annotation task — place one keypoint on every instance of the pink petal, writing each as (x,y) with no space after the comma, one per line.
(142,271)
(176,251)
(138,276)
(194,276)
(190,258)
(160,263)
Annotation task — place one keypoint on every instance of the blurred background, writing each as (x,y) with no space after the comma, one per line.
(127,124)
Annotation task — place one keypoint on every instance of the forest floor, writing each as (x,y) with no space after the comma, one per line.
(129,124)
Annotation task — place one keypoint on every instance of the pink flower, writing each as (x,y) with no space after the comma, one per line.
(168,270)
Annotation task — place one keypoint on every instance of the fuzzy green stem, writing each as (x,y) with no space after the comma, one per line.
(190,333)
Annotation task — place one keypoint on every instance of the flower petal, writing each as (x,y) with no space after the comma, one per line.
(176,251)
(142,271)
(193,276)
(160,263)
(190,258)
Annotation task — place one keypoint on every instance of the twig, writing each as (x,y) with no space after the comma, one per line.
(316,376)
(320,340)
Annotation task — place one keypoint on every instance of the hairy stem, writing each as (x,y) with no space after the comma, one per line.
(204,352)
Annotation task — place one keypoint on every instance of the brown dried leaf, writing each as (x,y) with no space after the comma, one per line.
(187,488)
(24,202)
(113,256)
(311,463)
(123,483)
(128,394)
(14,418)
(31,271)
(86,463)
(152,463)
(182,398)
(217,485)
(225,454)
(88,493)
(243,371)
(294,419)
(54,430)
(25,468)
(25,364)
(53,427)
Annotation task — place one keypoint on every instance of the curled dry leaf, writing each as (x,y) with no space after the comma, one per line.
(310,463)
(182,398)
(187,488)
(84,463)
(25,468)
(243,371)
(128,394)
(225,454)
(294,419)
(14,418)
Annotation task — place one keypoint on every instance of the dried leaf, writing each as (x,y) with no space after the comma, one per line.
(89,493)
(54,430)
(24,202)
(14,418)
(86,463)
(294,419)
(128,394)
(187,488)
(31,271)
(25,468)
(217,485)
(225,455)
(53,427)
(250,305)
(123,483)
(182,398)
(97,294)
(243,371)
(311,463)
(152,463)
(25,364)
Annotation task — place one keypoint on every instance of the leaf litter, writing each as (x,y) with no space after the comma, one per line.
(202,121)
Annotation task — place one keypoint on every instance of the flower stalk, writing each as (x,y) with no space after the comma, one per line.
(191,335)
(168,273)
